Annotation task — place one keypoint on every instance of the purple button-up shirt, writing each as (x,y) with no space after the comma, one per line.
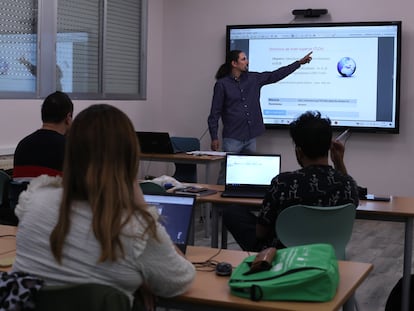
(238,103)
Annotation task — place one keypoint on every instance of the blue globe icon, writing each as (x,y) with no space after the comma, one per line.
(346,67)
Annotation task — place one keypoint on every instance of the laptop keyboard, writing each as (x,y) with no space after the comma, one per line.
(243,194)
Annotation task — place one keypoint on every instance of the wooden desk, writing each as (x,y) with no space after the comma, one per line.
(7,244)
(206,160)
(211,292)
(398,209)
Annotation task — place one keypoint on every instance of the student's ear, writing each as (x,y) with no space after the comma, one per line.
(68,119)
(299,155)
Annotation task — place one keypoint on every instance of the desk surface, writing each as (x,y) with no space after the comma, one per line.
(7,245)
(400,209)
(213,291)
(181,158)
(397,206)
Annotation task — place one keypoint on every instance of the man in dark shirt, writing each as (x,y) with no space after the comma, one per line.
(316,183)
(42,152)
(236,101)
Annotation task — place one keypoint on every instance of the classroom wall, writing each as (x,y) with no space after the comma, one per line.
(194,47)
(186,44)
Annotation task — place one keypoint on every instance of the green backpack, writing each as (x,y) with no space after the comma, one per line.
(298,273)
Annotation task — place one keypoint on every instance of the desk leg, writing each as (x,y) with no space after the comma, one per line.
(207,207)
(207,176)
(214,225)
(408,243)
(191,233)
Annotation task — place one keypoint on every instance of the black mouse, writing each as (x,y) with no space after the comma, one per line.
(224,269)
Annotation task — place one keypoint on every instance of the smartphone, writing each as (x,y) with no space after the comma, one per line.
(343,137)
(372,197)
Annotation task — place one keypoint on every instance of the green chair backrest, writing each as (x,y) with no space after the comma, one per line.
(303,224)
(148,187)
(82,297)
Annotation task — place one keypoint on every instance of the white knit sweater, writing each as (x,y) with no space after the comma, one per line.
(157,263)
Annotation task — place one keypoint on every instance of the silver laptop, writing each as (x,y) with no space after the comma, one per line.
(176,214)
(250,175)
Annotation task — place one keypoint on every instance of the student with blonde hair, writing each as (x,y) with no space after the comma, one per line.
(92,225)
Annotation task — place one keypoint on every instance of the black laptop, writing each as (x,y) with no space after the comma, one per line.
(250,175)
(155,142)
(176,214)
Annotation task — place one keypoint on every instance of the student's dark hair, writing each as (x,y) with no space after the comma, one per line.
(312,133)
(225,69)
(56,107)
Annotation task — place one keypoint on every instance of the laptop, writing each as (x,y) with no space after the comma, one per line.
(155,142)
(250,175)
(176,214)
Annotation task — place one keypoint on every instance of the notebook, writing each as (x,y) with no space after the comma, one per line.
(250,175)
(176,214)
(155,142)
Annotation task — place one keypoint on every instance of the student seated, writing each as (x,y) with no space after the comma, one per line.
(315,183)
(42,151)
(92,225)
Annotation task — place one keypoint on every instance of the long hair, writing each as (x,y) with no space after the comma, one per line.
(225,69)
(312,133)
(101,167)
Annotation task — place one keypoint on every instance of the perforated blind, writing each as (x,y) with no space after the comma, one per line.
(106,45)
(122,47)
(18,46)
(78,44)
(100,51)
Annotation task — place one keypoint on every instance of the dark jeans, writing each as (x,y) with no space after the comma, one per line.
(241,223)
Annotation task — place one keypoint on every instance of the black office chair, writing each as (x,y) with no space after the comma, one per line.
(15,188)
(7,216)
(4,187)
(394,299)
(185,172)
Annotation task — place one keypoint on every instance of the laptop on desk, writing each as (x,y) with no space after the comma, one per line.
(250,175)
(155,142)
(176,214)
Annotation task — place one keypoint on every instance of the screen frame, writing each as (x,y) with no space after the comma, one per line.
(365,128)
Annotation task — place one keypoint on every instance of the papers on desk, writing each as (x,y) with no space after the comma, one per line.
(210,153)
(194,191)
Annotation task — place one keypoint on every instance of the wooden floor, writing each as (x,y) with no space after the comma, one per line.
(376,242)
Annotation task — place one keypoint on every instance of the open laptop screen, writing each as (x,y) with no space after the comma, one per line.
(251,169)
(176,212)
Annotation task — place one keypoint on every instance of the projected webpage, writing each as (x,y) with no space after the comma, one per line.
(342,98)
(351,79)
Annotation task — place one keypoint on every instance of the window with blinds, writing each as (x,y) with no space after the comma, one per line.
(18,42)
(91,49)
